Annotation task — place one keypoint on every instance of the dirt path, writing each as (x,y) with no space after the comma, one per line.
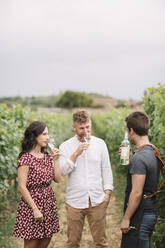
(113,224)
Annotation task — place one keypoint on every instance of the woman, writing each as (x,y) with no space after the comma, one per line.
(37,218)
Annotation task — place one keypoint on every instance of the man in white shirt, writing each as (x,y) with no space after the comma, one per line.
(90,182)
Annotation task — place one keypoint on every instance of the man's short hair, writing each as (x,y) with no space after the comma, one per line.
(139,122)
(81,116)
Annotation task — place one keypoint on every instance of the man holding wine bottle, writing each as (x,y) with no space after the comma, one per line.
(140,210)
(88,169)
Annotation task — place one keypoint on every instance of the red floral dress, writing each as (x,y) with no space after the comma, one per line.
(40,176)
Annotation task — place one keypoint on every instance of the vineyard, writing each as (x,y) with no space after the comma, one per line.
(108,126)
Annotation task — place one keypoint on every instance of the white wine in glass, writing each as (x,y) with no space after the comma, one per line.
(51,143)
(87,138)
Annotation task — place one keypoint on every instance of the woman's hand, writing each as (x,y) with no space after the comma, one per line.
(38,216)
(55,153)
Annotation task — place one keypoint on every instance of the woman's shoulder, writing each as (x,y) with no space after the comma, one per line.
(24,159)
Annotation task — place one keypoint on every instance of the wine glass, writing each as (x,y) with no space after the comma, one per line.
(87,138)
(51,143)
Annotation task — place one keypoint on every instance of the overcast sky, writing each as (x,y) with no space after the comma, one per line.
(112,47)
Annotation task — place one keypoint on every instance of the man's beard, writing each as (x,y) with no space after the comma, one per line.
(81,137)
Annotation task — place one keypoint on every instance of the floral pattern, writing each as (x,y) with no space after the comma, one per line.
(40,176)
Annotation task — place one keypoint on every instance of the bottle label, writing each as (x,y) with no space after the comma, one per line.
(125,152)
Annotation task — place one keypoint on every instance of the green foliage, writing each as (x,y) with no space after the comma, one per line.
(7,218)
(34,102)
(66,100)
(154,105)
(121,104)
(13,122)
(71,99)
(6,229)
(111,127)
(108,126)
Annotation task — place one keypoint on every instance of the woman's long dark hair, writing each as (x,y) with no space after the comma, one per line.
(31,133)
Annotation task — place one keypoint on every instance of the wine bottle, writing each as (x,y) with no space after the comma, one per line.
(125,150)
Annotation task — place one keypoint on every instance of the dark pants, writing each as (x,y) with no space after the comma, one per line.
(146,229)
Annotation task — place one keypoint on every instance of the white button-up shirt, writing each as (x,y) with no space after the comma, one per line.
(89,176)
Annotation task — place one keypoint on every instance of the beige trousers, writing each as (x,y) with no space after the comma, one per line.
(97,221)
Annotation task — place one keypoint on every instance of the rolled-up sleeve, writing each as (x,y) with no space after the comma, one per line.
(106,169)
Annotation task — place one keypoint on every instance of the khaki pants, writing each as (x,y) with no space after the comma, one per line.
(97,221)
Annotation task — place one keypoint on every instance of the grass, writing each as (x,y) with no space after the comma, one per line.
(8,205)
